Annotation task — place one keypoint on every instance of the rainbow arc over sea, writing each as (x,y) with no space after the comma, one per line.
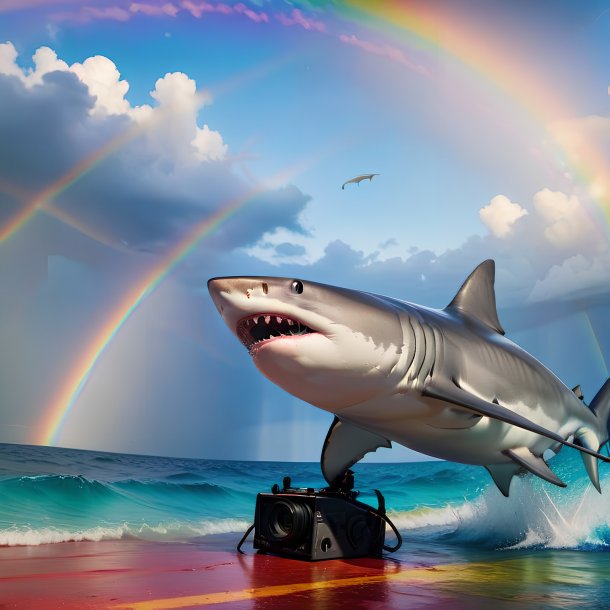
(426,26)
(63,403)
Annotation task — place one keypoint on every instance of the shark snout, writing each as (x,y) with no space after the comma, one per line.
(224,290)
(215,288)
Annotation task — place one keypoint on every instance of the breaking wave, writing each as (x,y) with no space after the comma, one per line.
(535,515)
(50,495)
(176,531)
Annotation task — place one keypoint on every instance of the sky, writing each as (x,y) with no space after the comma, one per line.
(148,146)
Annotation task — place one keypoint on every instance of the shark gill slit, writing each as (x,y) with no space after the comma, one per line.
(430,355)
(424,352)
(407,354)
(413,351)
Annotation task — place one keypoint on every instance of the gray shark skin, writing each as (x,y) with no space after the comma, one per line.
(358,179)
(444,382)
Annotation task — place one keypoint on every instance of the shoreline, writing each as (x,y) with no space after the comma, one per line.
(143,575)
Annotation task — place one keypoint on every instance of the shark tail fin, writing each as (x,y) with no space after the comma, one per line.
(585,437)
(600,405)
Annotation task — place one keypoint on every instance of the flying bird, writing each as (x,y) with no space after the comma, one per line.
(443,382)
(358,179)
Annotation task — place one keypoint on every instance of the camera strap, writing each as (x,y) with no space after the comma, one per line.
(381,512)
(243,539)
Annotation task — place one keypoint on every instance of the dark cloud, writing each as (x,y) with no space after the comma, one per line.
(135,195)
(65,276)
(40,128)
(288,249)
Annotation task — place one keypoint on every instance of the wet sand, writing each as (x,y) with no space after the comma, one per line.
(210,573)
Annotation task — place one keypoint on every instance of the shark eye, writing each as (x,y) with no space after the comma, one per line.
(296,287)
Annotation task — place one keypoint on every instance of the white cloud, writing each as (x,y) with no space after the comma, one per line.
(99,73)
(176,90)
(45,61)
(104,83)
(575,275)
(180,103)
(568,224)
(174,118)
(209,144)
(500,215)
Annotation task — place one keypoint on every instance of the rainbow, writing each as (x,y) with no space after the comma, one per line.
(50,208)
(428,28)
(41,200)
(595,342)
(450,33)
(63,403)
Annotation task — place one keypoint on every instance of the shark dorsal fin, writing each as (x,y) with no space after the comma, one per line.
(477,298)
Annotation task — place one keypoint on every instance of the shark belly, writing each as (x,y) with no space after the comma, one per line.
(432,429)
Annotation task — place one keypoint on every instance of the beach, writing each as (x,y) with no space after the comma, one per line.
(210,573)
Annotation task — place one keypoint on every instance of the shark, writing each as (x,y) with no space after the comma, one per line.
(444,382)
(358,179)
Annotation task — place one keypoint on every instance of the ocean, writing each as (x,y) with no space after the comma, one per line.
(133,516)
(50,495)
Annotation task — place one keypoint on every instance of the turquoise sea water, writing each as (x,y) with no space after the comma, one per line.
(50,495)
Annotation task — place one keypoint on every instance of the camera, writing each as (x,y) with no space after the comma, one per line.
(321,524)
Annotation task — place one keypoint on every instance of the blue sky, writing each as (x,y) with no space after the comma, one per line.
(489,124)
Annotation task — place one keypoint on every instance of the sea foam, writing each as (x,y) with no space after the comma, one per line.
(535,515)
(171,531)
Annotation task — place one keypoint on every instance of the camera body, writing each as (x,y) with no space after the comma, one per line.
(315,525)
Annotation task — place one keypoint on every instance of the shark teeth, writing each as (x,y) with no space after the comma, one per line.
(264,326)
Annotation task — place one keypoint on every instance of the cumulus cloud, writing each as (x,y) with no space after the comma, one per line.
(568,224)
(577,276)
(175,114)
(209,144)
(45,61)
(556,249)
(156,170)
(104,83)
(500,215)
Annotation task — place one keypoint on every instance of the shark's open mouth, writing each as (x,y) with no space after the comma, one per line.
(261,327)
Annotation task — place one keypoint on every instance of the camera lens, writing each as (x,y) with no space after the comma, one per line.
(289,522)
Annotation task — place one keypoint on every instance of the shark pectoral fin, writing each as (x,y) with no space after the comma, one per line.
(503,474)
(345,444)
(535,464)
(585,437)
(448,390)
